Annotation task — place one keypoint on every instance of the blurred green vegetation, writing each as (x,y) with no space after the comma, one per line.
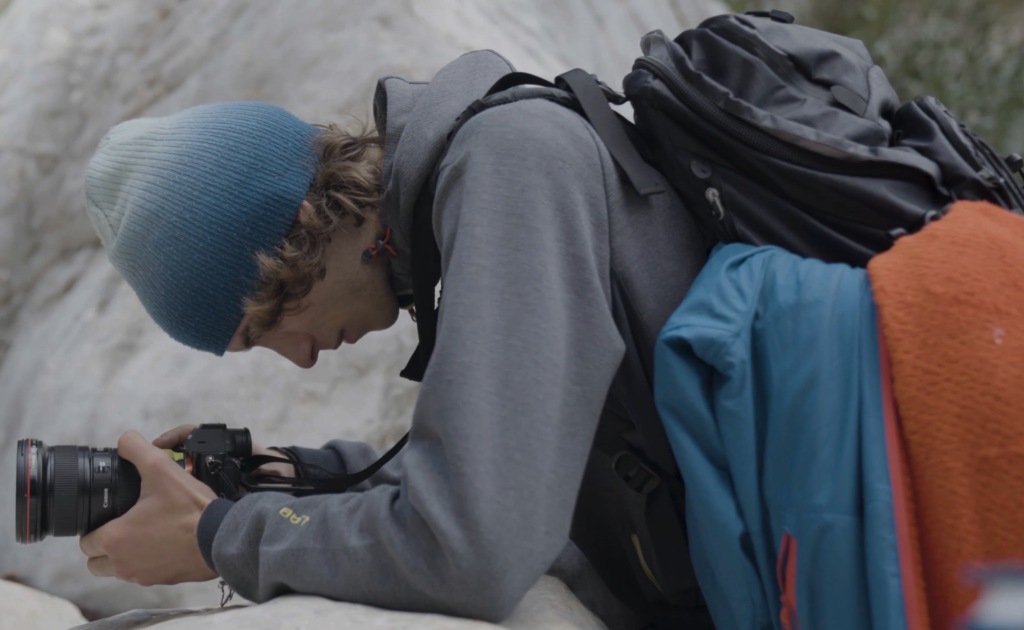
(968,53)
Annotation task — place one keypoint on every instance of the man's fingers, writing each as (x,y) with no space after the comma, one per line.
(138,451)
(174,437)
(90,545)
(101,566)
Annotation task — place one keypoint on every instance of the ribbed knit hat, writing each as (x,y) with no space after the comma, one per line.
(184,203)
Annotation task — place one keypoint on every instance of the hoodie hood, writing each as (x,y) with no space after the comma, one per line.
(416,119)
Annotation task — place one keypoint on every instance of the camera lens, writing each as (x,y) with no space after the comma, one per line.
(70,490)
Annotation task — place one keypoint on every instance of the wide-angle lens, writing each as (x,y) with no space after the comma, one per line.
(70,490)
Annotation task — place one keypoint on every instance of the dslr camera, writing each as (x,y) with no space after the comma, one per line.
(72,490)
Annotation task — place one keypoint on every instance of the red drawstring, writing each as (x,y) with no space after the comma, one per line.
(785,573)
(380,245)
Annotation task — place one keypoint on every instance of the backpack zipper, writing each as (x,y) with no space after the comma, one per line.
(724,219)
(715,199)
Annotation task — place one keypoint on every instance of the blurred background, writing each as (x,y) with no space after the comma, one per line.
(80,362)
(968,53)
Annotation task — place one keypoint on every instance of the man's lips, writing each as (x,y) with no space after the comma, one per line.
(314,348)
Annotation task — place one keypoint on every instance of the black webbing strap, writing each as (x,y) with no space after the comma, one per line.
(663,514)
(515,79)
(668,536)
(636,391)
(259,482)
(595,106)
(426,273)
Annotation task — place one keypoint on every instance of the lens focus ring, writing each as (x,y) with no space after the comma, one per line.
(65,491)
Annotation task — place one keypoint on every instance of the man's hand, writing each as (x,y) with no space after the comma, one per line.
(155,541)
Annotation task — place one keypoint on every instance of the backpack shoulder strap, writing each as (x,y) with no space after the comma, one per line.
(594,102)
(576,90)
(426,258)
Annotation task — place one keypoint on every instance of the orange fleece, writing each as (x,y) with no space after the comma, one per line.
(951,306)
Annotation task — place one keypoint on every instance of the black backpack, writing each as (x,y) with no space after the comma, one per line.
(775,133)
(771,133)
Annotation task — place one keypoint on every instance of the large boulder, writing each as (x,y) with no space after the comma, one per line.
(547,606)
(26,608)
(80,362)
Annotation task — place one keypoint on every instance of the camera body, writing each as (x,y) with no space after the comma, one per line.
(212,454)
(72,490)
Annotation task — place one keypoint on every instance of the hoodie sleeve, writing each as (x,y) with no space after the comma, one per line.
(340,457)
(526,350)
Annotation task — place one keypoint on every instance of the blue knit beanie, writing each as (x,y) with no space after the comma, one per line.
(184,203)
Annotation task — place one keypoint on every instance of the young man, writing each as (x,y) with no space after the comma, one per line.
(239,226)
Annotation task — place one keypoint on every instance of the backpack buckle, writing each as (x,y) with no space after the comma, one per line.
(638,476)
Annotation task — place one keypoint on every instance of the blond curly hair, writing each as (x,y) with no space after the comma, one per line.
(346,188)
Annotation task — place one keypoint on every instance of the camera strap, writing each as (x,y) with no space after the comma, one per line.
(324,482)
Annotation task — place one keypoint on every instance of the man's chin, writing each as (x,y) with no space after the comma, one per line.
(391,319)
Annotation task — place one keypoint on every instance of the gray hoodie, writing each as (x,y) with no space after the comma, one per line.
(531,215)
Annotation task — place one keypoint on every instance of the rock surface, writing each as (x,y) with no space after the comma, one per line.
(25,608)
(80,362)
(547,606)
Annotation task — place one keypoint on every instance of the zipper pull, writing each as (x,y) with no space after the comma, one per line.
(715,200)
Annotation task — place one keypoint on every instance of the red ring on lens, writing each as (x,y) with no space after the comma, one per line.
(28,490)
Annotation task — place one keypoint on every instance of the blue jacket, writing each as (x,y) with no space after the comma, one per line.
(767,378)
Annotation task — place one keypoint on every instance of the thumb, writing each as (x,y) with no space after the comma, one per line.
(174,437)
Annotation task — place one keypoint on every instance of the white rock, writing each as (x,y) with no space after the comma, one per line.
(24,608)
(84,361)
(547,606)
